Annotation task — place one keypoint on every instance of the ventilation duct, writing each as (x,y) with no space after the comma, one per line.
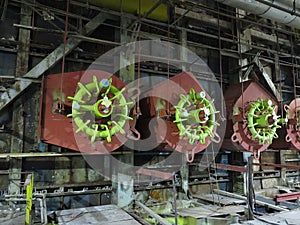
(267,11)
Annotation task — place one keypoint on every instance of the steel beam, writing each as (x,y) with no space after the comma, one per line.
(278,208)
(72,43)
(155,173)
(287,196)
(228,167)
(203,17)
(261,35)
(295,167)
(49,61)
(24,38)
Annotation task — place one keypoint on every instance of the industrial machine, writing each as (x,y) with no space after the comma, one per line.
(96,113)
(292,128)
(91,111)
(184,114)
(252,118)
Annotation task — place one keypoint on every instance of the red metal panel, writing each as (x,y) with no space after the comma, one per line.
(278,165)
(186,81)
(293,132)
(56,128)
(155,173)
(241,169)
(287,196)
(238,98)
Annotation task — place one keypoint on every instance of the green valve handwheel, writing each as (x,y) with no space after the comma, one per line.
(195,118)
(263,121)
(100,109)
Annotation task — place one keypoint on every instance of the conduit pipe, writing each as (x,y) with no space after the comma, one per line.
(273,10)
(290,3)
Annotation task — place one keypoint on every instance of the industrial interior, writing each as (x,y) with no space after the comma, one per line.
(158,112)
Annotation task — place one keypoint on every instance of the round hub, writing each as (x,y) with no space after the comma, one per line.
(195,118)
(99,109)
(262,121)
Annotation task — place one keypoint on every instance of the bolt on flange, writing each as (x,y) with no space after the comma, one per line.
(263,121)
(100,109)
(195,117)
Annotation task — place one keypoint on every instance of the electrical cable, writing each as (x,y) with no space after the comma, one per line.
(64,55)
(138,110)
(294,78)
(240,58)
(220,63)
(278,70)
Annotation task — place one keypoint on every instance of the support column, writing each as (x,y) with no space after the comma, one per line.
(283,169)
(127,60)
(15,166)
(183,53)
(18,121)
(122,183)
(24,39)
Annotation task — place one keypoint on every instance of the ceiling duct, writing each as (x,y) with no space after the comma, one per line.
(270,10)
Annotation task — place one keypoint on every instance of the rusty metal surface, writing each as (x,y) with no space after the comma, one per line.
(287,196)
(165,117)
(57,128)
(292,129)
(238,98)
(284,218)
(155,173)
(210,210)
(97,215)
(223,200)
(278,165)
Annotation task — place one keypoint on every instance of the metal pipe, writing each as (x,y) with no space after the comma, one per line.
(175,196)
(48,154)
(250,196)
(42,200)
(273,10)
(153,214)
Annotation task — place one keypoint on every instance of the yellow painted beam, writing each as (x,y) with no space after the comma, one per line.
(132,6)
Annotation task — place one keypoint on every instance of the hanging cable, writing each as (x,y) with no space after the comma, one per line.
(138,110)
(64,56)
(222,103)
(216,173)
(220,65)
(168,62)
(278,71)
(294,77)
(240,55)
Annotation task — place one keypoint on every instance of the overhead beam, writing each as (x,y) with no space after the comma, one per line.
(48,62)
(203,17)
(271,38)
(72,43)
